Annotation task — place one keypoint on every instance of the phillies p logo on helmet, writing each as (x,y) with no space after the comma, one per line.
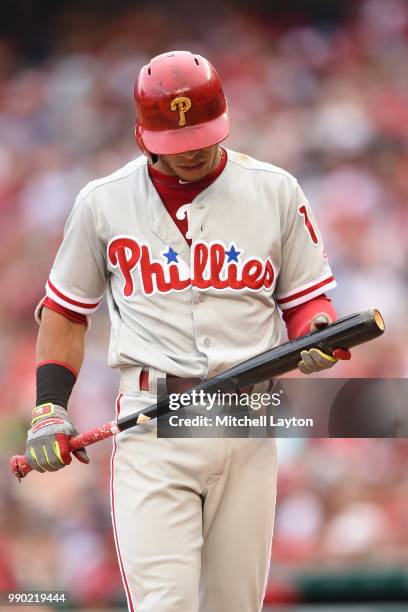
(183,105)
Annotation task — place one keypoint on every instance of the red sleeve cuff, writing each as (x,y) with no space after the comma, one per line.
(299,318)
(75,317)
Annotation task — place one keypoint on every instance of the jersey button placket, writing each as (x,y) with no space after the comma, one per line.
(198,208)
(194,223)
(198,225)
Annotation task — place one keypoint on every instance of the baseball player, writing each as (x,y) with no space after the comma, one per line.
(198,249)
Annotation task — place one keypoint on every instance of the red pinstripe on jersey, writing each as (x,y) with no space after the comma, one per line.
(69,314)
(306,292)
(60,296)
(115,532)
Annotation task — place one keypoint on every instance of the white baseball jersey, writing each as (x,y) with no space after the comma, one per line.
(196,311)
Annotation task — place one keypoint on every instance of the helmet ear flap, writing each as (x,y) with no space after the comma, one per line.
(139,141)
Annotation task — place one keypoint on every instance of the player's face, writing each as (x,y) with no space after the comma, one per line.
(191,165)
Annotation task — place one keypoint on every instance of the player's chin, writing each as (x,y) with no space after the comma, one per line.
(193,172)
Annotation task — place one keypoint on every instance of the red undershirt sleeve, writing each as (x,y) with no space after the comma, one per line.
(299,318)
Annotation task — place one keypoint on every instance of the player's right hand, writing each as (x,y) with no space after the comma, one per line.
(47,447)
(315,360)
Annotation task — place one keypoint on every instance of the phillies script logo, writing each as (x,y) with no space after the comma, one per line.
(212,265)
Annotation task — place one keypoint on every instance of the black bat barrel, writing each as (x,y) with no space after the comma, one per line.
(344,333)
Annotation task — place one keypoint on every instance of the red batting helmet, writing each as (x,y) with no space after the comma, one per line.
(180,104)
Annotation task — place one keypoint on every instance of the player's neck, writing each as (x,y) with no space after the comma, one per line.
(163,168)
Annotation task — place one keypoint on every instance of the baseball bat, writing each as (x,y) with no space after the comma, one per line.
(344,333)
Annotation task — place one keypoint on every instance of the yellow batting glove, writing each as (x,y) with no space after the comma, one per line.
(47,447)
(315,360)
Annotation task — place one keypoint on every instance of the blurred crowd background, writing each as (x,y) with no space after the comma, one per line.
(320,90)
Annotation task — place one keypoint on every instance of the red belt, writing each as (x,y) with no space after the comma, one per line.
(180,385)
(174,384)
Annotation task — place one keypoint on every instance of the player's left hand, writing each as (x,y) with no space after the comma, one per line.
(47,448)
(315,360)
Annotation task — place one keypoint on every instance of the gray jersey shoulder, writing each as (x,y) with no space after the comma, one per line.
(250,163)
(261,170)
(107,183)
(276,187)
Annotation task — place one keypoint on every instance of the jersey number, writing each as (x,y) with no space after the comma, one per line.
(308,224)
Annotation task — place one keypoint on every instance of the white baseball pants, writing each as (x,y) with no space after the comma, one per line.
(192,518)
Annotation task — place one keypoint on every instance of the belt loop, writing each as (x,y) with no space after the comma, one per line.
(130,380)
(154,377)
